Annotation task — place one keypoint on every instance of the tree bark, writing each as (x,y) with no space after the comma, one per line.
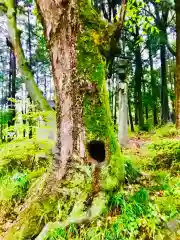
(178,64)
(29,38)
(153,85)
(145,104)
(138,81)
(130,115)
(164,90)
(12,78)
(83,115)
(79,78)
(123,115)
(161,21)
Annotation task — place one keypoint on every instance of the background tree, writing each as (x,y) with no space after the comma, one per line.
(178,65)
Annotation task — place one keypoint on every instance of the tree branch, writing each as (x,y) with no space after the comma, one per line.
(28,76)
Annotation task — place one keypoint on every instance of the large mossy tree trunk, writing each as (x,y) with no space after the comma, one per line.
(83,114)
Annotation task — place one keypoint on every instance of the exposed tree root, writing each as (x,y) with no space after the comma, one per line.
(95,211)
(43,201)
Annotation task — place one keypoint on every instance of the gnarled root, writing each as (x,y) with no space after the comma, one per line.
(95,211)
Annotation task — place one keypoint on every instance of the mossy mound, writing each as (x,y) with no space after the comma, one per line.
(27,154)
(168,130)
(34,201)
(166,155)
(22,164)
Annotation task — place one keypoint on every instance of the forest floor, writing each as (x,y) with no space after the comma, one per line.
(147,209)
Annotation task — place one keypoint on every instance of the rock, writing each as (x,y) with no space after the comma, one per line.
(173,224)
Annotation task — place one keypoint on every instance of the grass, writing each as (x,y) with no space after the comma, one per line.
(148,207)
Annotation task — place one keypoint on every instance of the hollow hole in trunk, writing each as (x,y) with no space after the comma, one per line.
(96,150)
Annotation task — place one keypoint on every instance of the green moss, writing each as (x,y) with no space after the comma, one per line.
(28,154)
(166,155)
(90,17)
(91,67)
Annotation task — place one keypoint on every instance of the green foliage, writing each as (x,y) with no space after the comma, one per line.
(16,184)
(28,154)
(168,130)
(166,154)
(132,213)
(131,172)
(5,116)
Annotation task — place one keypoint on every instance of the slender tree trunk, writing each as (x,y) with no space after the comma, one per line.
(153,86)
(130,116)
(45,85)
(29,38)
(13,86)
(145,105)
(136,107)
(115,110)
(178,64)
(12,80)
(123,115)
(164,90)
(10,73)
(138,82)
(26,72)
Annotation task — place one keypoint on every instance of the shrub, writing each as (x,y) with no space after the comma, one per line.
(131,172)
(166,154)
(168,130)
(28,154)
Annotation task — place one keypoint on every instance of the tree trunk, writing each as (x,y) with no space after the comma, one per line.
(115,110)
(130,115)
(153,85)
(29,38)
(178,65)
(12,81)
(123,115)
(83,112)
(13,86)
(135,106)
(85,128)
(25,70)
(138,82)
(10,72)
(145,104)
(164,90)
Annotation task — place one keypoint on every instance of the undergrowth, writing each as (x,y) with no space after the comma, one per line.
(148,208)
(166,155)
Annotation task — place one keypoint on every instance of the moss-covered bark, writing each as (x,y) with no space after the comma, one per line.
(25,70)
(72,30)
